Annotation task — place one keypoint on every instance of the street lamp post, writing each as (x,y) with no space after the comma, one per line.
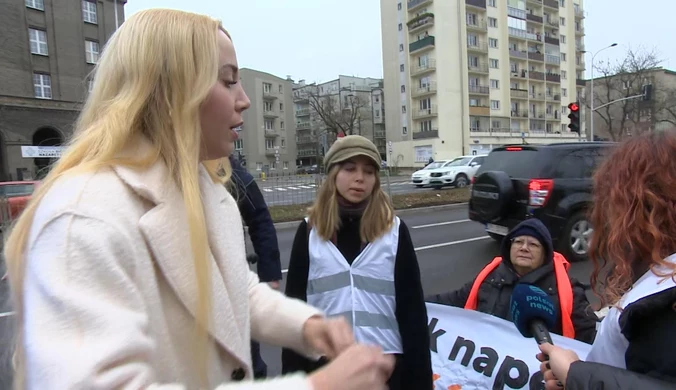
(592,89)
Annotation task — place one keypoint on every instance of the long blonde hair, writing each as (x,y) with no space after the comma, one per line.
(155,72)
(324,215)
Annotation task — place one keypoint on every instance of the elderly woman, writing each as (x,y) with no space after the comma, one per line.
(528,257)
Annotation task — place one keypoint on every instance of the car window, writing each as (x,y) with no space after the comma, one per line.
(479,160)
(517,162)
(435,165)
(14,190)
(459,162)
(579,164)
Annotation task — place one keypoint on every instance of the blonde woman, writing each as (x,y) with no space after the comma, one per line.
(354,258)
(128,267)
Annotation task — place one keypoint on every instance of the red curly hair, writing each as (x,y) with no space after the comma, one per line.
(634,213)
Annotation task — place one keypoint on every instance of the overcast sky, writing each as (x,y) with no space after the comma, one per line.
(317,40)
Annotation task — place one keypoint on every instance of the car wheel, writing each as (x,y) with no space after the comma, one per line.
(438,187)
(577,237)
(461,181)
(419,185)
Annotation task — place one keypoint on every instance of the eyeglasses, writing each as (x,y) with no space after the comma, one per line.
(532,244)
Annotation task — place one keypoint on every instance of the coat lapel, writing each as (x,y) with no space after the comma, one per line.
(165,229)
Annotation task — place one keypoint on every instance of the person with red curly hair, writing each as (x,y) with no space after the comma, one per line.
(634,254)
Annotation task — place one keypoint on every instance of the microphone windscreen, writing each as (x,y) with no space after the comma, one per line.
(530,303)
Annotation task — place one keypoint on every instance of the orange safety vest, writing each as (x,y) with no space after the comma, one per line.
(565,290)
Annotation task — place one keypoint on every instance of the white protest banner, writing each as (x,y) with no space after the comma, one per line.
(474,350)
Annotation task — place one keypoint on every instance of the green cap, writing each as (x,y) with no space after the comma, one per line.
(351,146)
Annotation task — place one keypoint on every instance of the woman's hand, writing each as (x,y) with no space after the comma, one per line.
(360,367)
(328,337)
(555,370)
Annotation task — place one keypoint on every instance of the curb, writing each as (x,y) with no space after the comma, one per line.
(290,224)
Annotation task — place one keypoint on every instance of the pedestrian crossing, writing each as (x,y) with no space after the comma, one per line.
(297,187)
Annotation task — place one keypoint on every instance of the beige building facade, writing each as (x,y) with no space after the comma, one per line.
(464,76)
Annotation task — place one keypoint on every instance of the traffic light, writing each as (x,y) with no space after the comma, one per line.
(574,117)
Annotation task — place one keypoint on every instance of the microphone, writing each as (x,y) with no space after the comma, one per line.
(533,312)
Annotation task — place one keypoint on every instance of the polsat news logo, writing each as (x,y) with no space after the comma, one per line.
(451,387)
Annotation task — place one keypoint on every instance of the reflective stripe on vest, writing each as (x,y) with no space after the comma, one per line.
(362,293)
(564,290)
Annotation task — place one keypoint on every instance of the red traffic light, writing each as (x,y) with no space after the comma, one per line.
(574,107)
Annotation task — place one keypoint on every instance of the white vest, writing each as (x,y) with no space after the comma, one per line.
(363,293)
(610,344)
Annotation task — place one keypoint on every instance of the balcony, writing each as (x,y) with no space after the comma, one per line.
(518,54)
(552,116)
(579,13)
(552,40)
(536,96)
(553,77)
(425,112)
(303,112)
(552,59)
(303,126)
(581,82)
(534,75)
(268,94)
(270,152)
(553,22)
(522,34)
(305,140)
(300,98)
(579,47)
(434,133)
(478,90)
(522,114)
(579,31)
(477,46)
(479,111)
(307,152)
(536,115)
(476,3)
(556,98)
(430,66)
(516,13)
(270,114)
(518,93)
(478,68)
(419,22)
(536,56)
(480,25)
(580,65)
(428,89)
(534,18)
(414,4)
(427,42)
(551,4)
(271,133)
(380,134)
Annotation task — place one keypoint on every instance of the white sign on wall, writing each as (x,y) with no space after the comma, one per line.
(41,151)
(423,153)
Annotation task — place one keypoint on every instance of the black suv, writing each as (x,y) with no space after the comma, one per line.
(549,182)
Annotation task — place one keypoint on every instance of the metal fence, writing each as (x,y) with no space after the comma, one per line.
(282,190)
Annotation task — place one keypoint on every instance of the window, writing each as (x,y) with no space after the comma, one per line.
(269,124)
(267,106)
(89,11)
(401,47)
(495,104)
(562,21)
(286,165)
(562,3)
(269,143)
(564,110)
(403,109)
(492,22)
(239,144)
(42,84)
(273,165)
(401,67)
(495,84)
(36,4)
(267,87)
(281,88)
(491,3)
(399,6)
(259,166)
(562,38)
(492,42)
(401,27)
(403,89)
(404,130)
(377,114)
(564,75)
(38,40)
(281,125)
(91,52)
(563,56)
(281,106)
(564,92)
(283,143)
(494,63)
(426,126)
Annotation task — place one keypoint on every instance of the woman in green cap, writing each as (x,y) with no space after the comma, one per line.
(353,258)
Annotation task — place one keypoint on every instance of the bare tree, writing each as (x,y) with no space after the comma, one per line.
(624,79)
(338,116)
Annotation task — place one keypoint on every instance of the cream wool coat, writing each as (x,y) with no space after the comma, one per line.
(110,289)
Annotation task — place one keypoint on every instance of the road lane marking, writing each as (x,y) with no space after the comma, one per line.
(267,190)
(440,224)
(280,189)
(7,314)
(443,244)
(292,188)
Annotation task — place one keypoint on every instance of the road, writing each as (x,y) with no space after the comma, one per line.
(289,190)
(451,250)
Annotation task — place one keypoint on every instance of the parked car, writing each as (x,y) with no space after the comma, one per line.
(549,182)
(458,172)
(421,178)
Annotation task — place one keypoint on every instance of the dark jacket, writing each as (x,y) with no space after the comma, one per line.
(257,218)
(496,291)
(413,369)
(648,324)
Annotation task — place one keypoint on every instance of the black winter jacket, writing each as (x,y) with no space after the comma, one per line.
(496,290)
(648,324)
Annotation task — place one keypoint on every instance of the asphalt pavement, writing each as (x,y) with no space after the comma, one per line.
(451,251)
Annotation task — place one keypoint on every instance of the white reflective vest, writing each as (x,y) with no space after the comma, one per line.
(610,344)
(362,293)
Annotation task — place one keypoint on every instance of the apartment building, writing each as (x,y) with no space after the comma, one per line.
(48,50)
(352,103)
(267,140)
(464,76)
